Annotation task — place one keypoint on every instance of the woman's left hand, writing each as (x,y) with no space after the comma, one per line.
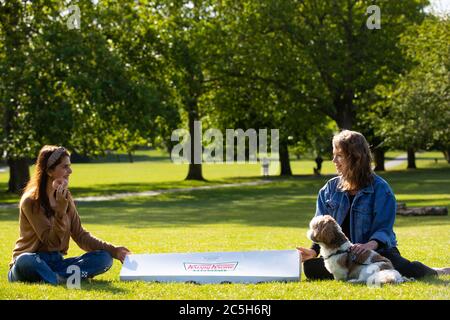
(121,253)
(360,248)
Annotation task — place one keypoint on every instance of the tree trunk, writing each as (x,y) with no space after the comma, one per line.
(130,157)
(378,155)
(345,115)
(195,169)
(411,159)
(284,160)
(76,157)
(19,175)
(344,121)
(447,155)
(195,172)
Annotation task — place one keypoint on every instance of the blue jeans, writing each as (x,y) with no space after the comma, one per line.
(51,267)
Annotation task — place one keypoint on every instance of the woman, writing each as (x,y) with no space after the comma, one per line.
(365,207)
(48,218)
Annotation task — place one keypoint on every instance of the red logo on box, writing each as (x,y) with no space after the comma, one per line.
(206,267)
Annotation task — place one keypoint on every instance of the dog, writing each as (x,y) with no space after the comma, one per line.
(369,267)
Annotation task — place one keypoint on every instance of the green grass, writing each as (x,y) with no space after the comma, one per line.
(153,170)
(266,217)
(428,159)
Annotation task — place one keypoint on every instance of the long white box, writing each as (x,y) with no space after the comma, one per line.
(214,267)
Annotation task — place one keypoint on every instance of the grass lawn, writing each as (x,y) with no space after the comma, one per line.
(153,170)
(265,217)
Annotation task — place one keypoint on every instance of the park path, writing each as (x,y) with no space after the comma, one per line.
(390,164)
(397,161)
(159,192)
(153,193)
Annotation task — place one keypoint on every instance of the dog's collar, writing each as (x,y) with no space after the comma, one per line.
(336,253)
(345,251)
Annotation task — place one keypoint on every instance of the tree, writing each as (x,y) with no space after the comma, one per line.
(16,32)
(69,87)
(350,58)
(143,50)
(319,53)
(262,77)
(183,27)
(418,103)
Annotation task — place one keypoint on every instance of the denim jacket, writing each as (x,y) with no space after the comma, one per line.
(372,214)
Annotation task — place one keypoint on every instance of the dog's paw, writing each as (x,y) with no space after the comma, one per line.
(405,279)
(356,281)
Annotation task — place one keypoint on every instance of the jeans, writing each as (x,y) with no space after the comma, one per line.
(315,268)
(51,267)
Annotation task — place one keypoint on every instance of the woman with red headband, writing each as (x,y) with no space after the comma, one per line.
(48,219)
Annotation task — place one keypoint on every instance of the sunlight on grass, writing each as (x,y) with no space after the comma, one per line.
(265,217)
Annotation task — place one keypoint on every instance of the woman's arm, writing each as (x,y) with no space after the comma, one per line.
(383,221)
(384,216)
(88,242)
(84,239)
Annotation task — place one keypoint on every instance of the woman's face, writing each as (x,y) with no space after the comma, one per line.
(62,170)
(339,160)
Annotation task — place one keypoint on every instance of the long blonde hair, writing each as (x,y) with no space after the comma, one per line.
(36,188)
(358,160)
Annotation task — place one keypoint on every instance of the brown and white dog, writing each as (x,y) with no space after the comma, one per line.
(369,267)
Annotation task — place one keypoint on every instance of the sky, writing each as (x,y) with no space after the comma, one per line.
(442,6)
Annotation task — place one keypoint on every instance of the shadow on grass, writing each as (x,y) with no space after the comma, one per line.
(124,158)
(117,188)
(429,280)
(267,205)
(422,221)
(102,285)
(285,203)
(420,181)
(435,281)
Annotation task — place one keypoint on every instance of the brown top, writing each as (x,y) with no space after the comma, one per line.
(41,234)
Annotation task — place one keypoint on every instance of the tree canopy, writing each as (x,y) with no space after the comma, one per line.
(133,71)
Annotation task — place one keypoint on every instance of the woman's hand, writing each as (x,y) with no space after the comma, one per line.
(61,200)
(306,253)
(60,181)
(121,253)
(360,248)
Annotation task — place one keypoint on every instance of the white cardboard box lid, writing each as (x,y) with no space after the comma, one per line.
(213,267)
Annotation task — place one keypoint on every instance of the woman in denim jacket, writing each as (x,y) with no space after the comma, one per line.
(364,205)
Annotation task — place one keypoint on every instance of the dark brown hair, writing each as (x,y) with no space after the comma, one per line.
(36,188)
(357,157)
